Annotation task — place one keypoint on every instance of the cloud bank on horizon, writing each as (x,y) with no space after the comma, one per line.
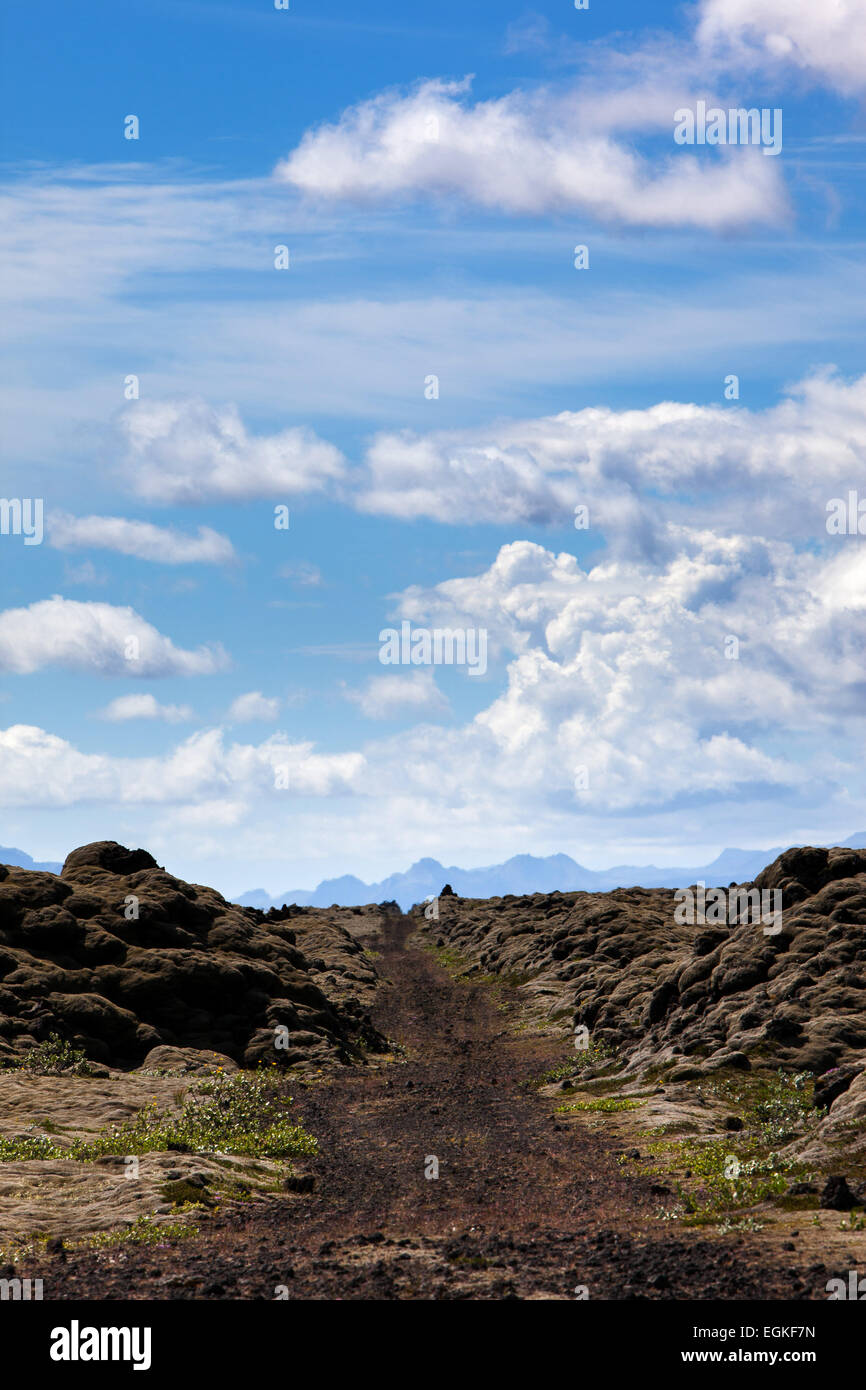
(468,354)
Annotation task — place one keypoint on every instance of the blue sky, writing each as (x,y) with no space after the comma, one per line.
(431,175)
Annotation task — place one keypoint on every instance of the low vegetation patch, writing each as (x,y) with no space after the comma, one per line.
(53,1057)
(603,1105)
(182,1193)
(597,1054)
(724,1176)
(245,1113)
(143,1231)
(774,1108)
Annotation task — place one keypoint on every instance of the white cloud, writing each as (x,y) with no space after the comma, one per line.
(253,706)
(826,40)
(531,33)
(98,639)
(525,154)
(85,574)
(390,697)
(178,224)
(41,769)
(188,451)
(161,544)
(302,573)
(620,711)
(127,707)
(501,345)
(622,671)
(636,470)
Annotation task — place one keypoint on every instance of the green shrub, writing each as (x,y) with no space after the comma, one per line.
(53,1057)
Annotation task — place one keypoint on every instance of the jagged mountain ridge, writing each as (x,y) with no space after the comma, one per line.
(523,873)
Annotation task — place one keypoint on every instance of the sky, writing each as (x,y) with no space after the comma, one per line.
(299,345)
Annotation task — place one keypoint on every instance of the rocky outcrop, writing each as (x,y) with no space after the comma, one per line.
(689,996)
(120,957)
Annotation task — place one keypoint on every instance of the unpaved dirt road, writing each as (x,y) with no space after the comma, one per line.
(523,1207)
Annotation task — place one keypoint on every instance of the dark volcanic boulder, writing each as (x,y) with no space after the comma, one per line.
(120,957)
(837,1196)
(801,872)
(109,855)
(834,1084)
(656,988)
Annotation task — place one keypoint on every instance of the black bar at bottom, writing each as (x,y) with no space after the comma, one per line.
(58,1340)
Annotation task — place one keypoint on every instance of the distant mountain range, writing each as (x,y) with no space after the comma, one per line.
(524,873)
(20,860)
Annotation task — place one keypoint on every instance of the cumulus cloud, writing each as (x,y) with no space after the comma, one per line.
(705,463)
(389,697)
(186,451)
(625,688)
(827,41)
(163,545)
(97,639)
(727,677)
(253,706)
(41,769)
(127,707)
(525,153)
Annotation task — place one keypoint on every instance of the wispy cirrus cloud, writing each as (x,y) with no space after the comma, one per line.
(302,573)
(496,344)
